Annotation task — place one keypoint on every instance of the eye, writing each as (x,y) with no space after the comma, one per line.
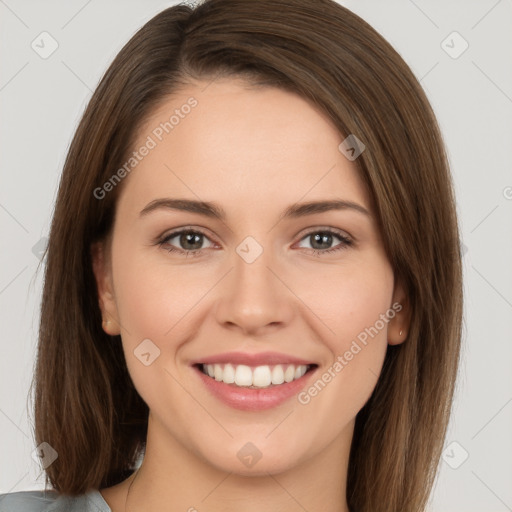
(189,242)
(321,241)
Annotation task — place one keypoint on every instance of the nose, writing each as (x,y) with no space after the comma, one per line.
(254,297)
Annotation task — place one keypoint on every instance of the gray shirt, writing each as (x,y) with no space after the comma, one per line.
(51,501)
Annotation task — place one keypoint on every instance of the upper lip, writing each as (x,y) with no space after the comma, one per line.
(259,359)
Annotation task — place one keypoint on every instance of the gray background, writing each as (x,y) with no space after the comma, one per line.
(41,101)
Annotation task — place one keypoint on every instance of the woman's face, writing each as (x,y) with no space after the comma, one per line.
(294,285)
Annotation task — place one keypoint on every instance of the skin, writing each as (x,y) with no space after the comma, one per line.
(254,152)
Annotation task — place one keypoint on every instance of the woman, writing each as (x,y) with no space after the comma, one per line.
(253,277)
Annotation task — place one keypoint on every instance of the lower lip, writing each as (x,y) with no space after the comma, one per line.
(248,399)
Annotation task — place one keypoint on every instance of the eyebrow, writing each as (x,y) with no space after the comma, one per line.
(215,211)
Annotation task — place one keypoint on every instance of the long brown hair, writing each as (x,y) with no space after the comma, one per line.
(86,406)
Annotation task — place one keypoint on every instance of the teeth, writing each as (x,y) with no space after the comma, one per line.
(300,371)
(289,374)
(229,374)
(277,375)
(243,375)
(261,376)
(258,377)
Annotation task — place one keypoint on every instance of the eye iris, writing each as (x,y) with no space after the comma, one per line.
(321,238)
(196,238)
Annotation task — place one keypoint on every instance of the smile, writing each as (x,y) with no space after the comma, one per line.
(255,377)
(254,388)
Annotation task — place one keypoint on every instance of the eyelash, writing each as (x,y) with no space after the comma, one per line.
(345,242)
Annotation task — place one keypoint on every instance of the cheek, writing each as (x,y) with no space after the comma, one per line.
(347,299)
(352,309)
(153,294)
(162,301)
(154,302)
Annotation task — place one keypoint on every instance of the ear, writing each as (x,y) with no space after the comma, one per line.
(398,326)
(102,268)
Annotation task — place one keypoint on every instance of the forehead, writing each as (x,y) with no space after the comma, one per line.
(228,141)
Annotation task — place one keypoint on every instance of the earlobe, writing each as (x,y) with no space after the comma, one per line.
(398,326)
(106,298)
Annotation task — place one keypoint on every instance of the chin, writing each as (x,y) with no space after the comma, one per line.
(253,458)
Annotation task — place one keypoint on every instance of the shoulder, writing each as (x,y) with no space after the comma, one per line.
(52,501)
(27,501)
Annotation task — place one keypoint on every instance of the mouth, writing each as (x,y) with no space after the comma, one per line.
(254,388)
(255,377)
